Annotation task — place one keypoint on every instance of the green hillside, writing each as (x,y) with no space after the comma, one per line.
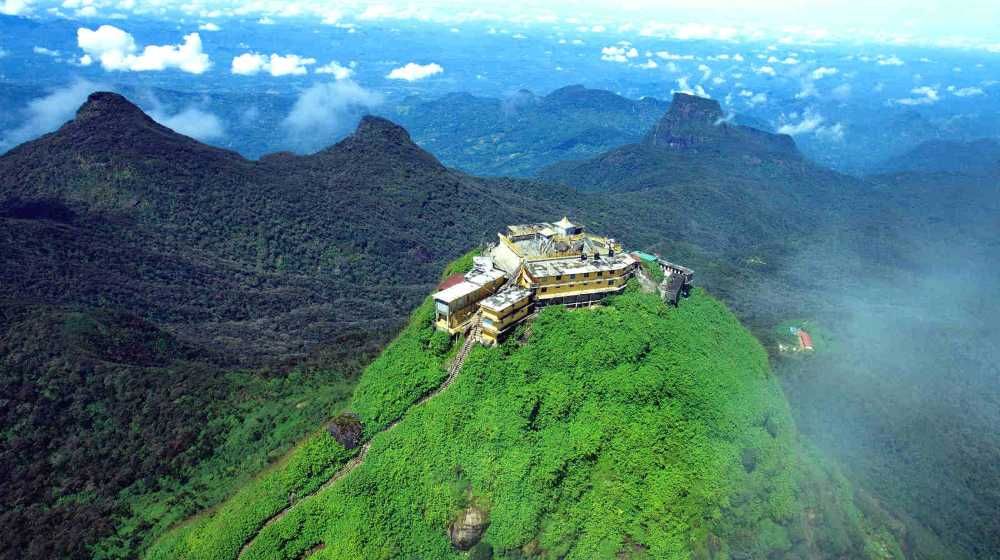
(631,430)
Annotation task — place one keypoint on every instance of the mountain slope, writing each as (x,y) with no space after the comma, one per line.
(628,431)
(979,157)
(306,231)
(277,277)
(525,132)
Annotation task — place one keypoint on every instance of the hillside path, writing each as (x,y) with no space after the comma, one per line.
(359,459)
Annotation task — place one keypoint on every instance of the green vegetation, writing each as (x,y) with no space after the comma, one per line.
(408,368)
(121,429)
(631,429)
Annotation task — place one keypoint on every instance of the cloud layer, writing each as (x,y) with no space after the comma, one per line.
(116,50)
(251,64)
(325,110)
(413,71)
(49,112)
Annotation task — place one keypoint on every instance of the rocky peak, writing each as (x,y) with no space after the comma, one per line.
(694,122)
(377,129)
(380,140)
(690,121)
(110,107)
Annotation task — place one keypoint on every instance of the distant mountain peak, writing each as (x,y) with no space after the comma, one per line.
(685,106)
(382,130)
(380,139)
(690,121)
(694,122)
(110,106)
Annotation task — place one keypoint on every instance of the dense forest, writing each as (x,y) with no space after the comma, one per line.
(630,430)
(174,317)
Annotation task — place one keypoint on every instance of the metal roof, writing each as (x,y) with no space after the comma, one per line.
(505,298)
(574,265)
(457,291)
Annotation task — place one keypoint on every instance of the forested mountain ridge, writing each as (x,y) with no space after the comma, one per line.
(978,157)
(122,241)
(282,277)
(625,431)
(345,220)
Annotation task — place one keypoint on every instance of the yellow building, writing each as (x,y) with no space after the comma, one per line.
(530,266)
(577,280)
(454,306)
(502,311)
(562,263)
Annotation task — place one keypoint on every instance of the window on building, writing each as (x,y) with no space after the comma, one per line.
(559,277)
(544,290)
(572,276)
(600,273)
(611,281)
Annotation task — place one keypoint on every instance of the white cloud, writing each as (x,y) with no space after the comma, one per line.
(336,70)
(649,64)
(248,64)
(619,53)
(808,90)
(791,60)
(841,92)
(824,71)
(667,55)
(684,86)
(754,99)
(209,27)
(706,72)
(966,91)
(832,133)
(765,71)
(811,123)
(15,7)
(413,71)
(192,122)
(45,52)
(890,61)
(116,49)
(251,64)
(49,112)
(323,110)
(923,95)
(290,65)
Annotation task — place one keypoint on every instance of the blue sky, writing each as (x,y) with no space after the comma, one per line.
(969,23)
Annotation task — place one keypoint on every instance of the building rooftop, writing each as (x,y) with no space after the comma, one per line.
(481,276)
(508,297)
(518,230)
(457,291)
(575,265)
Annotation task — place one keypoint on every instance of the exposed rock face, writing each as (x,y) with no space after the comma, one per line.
(346,428)
(466,531)
(694,122)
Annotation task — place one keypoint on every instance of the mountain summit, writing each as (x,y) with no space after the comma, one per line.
(381,142)
(697,122)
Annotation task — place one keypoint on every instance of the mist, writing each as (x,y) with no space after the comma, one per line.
(191,121)
(324,112)
(45,114)
(903,388)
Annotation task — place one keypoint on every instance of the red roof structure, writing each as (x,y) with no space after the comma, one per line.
(805,341)
(451,281)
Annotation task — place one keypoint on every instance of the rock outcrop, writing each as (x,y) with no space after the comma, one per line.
(466,531)
(346,428)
